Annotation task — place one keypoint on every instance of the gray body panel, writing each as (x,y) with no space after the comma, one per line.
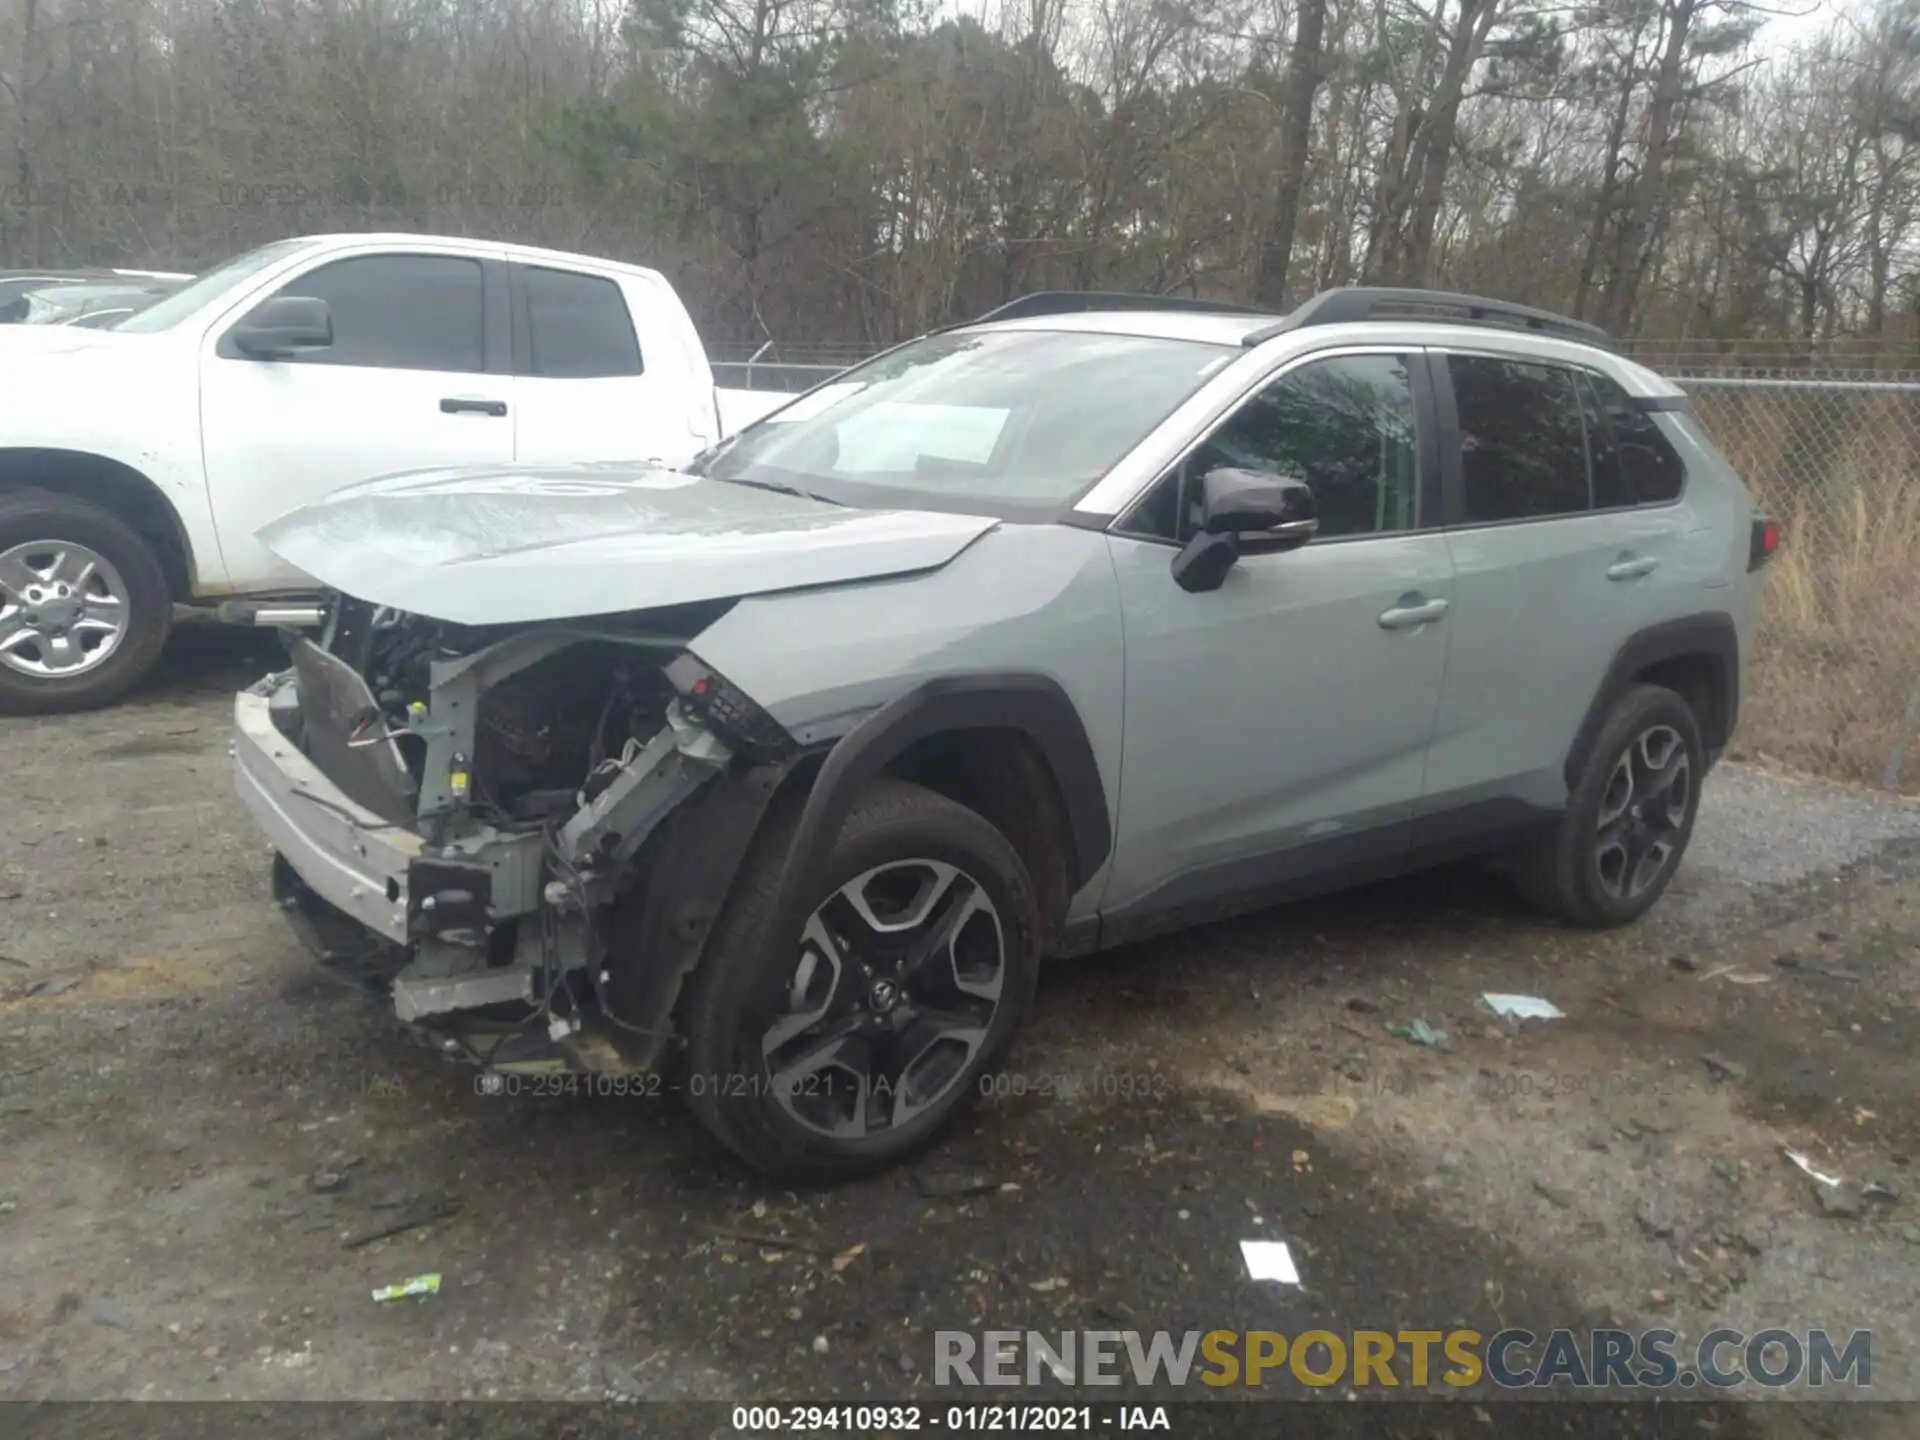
(1542,607)
(1274,711)
(1537,621)
(509,545)
(1037,599)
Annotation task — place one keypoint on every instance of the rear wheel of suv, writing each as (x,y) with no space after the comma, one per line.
(84,605)
(838,1049)
(1629,817)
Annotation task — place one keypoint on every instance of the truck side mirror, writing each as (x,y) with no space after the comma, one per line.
(285,325)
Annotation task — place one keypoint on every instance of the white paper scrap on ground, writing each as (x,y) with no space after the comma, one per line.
(1523,1007)
(1270,1260)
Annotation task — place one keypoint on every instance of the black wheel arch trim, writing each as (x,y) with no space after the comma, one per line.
(1711,635)
(687,877)
(687,870)
(1033,704)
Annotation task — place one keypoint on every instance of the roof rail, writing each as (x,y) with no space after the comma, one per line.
(1360,302)
(1077,302)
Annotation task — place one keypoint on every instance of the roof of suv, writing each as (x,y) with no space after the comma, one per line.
(1344,305)
(1341,321)
(1216,329)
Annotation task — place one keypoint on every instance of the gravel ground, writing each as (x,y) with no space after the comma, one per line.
(196,1120)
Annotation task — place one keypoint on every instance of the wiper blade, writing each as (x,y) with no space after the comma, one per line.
(775,486)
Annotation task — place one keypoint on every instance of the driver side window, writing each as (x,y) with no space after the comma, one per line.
(399,312)
(1345,425)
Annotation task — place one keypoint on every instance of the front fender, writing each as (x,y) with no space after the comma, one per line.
(132,402)
(1033,704)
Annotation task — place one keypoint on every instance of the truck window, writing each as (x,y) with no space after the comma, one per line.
(400,312)
(578,326)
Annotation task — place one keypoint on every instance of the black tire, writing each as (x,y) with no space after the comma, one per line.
(742,985)
(27,516)
(1576,873)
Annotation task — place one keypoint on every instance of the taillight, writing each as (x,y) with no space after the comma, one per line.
(1766,540)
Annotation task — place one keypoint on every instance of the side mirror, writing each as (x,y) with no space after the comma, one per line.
(283,326)
(1244,512)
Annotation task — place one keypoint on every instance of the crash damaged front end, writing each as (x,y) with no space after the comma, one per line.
(525,833)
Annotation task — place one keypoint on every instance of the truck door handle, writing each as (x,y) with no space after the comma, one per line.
(472,405)
(1632,567)
(1411,611)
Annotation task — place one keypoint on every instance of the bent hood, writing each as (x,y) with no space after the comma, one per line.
(499,545)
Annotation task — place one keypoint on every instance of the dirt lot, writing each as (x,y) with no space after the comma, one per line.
(176,1076)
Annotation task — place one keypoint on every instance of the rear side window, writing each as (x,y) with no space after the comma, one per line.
(1643,467)
(400,312)
(1523,446)
(578,326)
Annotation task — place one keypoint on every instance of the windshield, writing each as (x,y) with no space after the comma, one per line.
(101,319)
(1020,421)
(165,314)
(61,303)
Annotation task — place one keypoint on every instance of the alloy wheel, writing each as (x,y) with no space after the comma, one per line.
(892,996)
(63,609)
(1644,812)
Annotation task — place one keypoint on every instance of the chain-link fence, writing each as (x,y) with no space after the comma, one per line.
(1837,461)
(1834,455)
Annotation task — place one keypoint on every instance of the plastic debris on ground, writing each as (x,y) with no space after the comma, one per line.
(1523,1007)
(1806,1166)
(1734,975)
(1269,1260)
(418,1285)
(1420,1033)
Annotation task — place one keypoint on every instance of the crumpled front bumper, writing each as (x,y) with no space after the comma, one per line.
(346,854)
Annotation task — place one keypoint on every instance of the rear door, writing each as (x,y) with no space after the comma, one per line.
(1566,530)
(600,371)
(416,376)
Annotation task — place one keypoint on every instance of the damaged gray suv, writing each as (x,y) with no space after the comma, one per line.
(772,783)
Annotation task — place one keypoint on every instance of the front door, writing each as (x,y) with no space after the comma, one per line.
(405,385)
(1277,728)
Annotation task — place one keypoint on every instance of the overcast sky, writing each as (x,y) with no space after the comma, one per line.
(1800,20)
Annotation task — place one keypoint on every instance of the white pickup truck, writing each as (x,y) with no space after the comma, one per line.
(138,462)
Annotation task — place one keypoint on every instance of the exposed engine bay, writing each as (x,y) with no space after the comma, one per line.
(517,772)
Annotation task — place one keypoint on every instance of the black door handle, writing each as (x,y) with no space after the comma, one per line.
(457,405)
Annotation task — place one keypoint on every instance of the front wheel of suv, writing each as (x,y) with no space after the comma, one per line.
(836,1050)
(1629,818)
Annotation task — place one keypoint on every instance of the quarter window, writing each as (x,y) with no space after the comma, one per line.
(1644,468)
(1523,448)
